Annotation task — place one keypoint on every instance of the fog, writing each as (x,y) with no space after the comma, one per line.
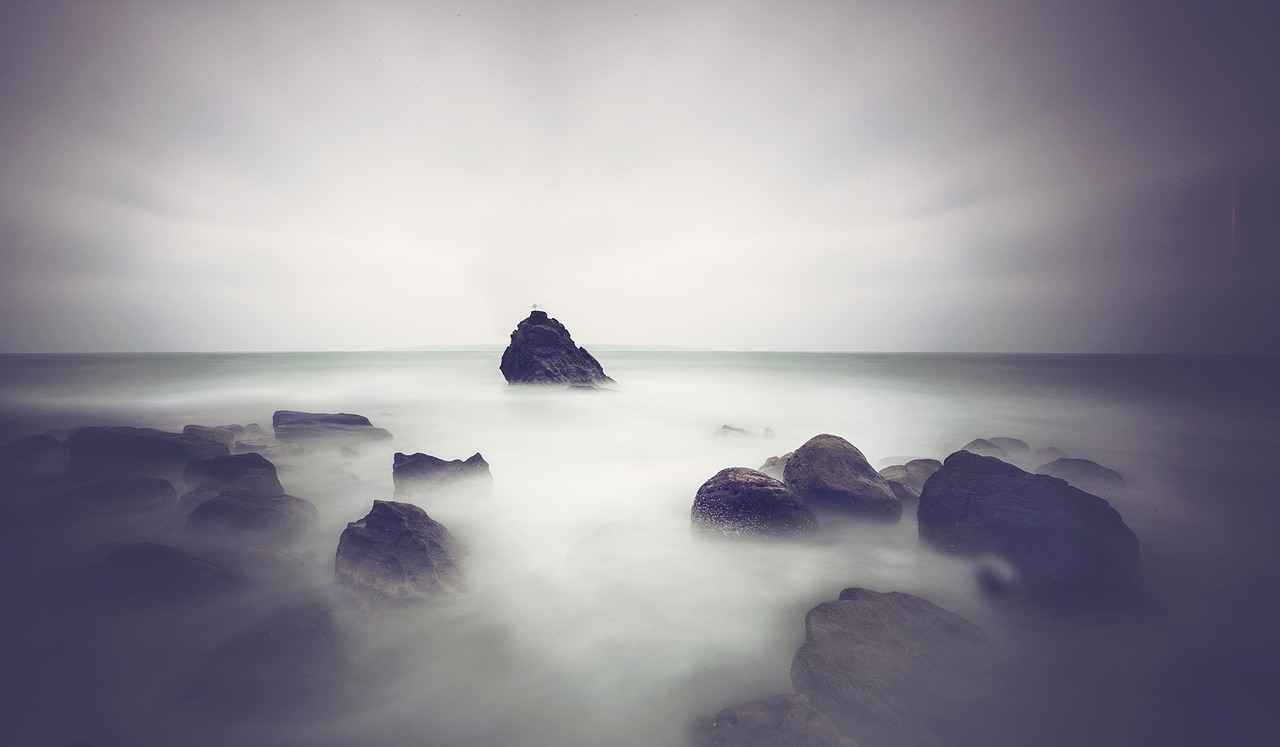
(594,613)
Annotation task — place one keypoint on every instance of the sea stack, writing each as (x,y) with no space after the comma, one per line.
(542,352)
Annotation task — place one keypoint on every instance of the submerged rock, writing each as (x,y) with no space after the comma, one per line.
(829,472)
(1069,549)
(743,502)
(295,424)
(397,555)
(246,518)
(103,451)
(542,352)
(1083,473)
(251,471)
(416,471)
(781,721)
(895,669)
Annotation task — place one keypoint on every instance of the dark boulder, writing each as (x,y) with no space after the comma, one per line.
(104,451)
(293,424)
(542,352)
(829,472)
(246,518)
(137,576)
(1068,549)
(1083,473)
(250,471)
(895,669)
(396,556)
(780,721)
(743,502)
(912,474)
(416,471)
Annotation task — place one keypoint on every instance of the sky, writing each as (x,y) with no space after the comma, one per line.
(966,176)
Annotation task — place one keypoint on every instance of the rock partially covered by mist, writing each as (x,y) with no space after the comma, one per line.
(32,458)
(294,425)
(138,576)
(412,472)
(986,447)
(775,466)
(114,498)
(829,472)
(251,471)
(780,721)
(1068,549)
(1047,454)
(743,502)
(913,474)
(542,352)
(1083,473)
(396,556)
(104,451)
(1016,448)
(895,669)
(227,434)
(247,518)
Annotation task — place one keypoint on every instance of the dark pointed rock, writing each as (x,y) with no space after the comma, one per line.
(829,472)
(743,502)
(294,424)
(781,721)
(104,451)
(1069,550)
(895,669)
(397,555)
(249,471)
(417,471)
(542,352)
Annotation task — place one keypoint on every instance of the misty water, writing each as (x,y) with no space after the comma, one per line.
(596,616)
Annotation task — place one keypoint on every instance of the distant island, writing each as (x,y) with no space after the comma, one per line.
(618,348)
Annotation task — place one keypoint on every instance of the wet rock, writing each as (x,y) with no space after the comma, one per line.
(895,669)
(138,576)
(294,424)
(743,502)
(246,518)
(1068,549)
(829,472)
(912,474)
(252,472)
(780,721)
(1083,473)
(417,471)
(542,352)
(775,466)
(396,556)
(104,451)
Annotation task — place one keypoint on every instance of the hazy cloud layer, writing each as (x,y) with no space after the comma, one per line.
(846,176)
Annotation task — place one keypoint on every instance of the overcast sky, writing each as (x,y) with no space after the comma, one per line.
(953,176)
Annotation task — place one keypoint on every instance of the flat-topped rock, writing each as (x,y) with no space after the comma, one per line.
(396,556)
(542,352)
(828,472)
(744,502)
(295,424)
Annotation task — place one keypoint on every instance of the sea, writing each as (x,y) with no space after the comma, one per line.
(595,615)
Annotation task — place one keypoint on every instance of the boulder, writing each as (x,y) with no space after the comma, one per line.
(1083,473)
(252,472)
(1068,549)
(906,496)
(829,472)
(137,576)
(294,424)
(743,502)
(227,434)
(895,669)
(397,556)
(780,721)
(984,447)
(912,474)
(416,471)
(248,518)
(542,352)
(188,501)
(775,466)
(104,451)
